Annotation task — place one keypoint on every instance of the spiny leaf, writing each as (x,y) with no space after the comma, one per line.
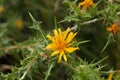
(49,70)
(110,40)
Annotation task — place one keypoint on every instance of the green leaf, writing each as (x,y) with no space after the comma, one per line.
(110,40)
(49,70)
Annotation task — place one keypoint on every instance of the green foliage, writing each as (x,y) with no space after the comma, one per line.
(117,77)
(84,72)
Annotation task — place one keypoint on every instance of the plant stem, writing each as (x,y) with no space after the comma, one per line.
(49,70)
(88,22)
(29,67)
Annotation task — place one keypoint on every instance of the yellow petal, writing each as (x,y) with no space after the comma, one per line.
(56,33)
(56,36)
(60,56)
(60,34)
(64,57)
(110,76)
(70,37)
(59,30)
(65,33)
(71,49)
(50,46)
(55,53)
(51,38)
(80,4)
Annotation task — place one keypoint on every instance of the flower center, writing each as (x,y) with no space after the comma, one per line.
(61,45)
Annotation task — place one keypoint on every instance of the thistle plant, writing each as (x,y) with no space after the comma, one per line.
(84,45)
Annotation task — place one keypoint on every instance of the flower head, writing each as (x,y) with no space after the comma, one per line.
(114,28)
(61,43)
(86,4)
(19,24)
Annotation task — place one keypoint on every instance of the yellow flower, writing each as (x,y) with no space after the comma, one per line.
(114,28)
(1,9)
(86,4)
(61,43)
(19,24)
